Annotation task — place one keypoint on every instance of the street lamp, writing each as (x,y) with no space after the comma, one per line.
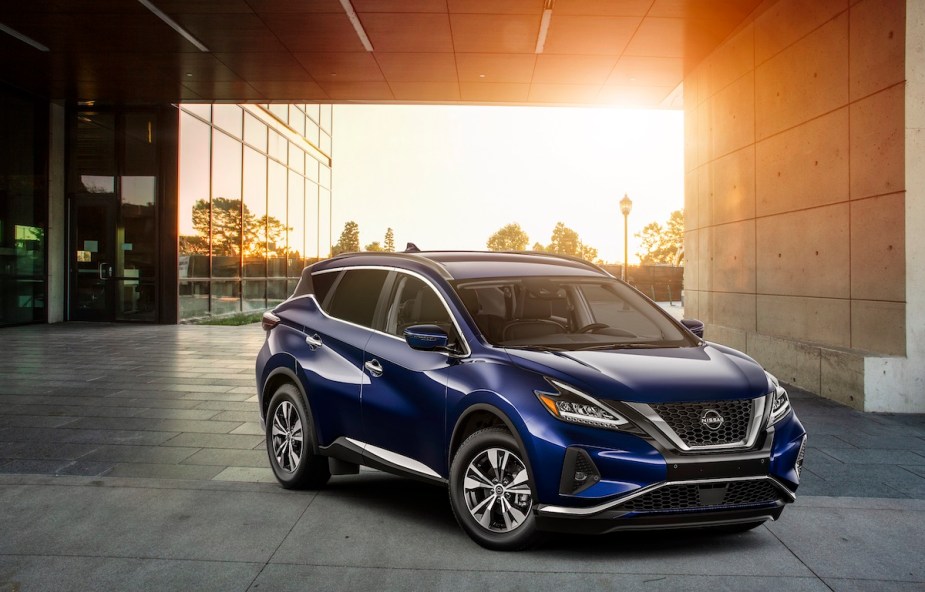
(626,204)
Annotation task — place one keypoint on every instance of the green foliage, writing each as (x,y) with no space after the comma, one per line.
(349,241)
(234,229)
(509,238)
(662,244)
(566,241)
(389,241)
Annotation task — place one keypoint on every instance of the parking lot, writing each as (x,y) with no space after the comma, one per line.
(131,457)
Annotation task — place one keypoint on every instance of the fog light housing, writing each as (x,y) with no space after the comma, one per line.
(578,471)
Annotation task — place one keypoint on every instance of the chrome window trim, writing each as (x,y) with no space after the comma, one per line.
(756,420)
(393,458)
(462,338)
(569,511)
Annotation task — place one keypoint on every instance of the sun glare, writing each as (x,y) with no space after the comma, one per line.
(447,177)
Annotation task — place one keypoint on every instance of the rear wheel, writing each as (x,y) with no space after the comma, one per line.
(490,491)
(290,442)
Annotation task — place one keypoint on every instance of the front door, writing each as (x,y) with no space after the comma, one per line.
(92,257)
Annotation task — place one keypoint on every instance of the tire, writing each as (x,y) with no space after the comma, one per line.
(291,442)
(490,463)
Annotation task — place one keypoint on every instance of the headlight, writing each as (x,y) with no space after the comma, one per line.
(780,402)
(573,406)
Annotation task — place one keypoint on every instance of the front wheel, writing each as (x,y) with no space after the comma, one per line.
(290,443)
(490,491)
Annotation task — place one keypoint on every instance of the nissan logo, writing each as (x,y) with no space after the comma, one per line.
(711,419)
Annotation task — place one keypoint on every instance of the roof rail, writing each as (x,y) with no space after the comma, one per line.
(407,256)
(571,258)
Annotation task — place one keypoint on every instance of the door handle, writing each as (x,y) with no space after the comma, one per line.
(105,271)
(374,367)
(314,341)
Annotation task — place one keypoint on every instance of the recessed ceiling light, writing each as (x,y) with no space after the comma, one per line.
(25,39)
(481,76)
(189,73)
(173,25)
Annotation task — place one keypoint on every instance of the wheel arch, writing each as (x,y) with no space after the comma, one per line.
(275,379)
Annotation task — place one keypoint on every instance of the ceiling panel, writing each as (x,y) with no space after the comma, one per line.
(588,35)
(425,91)
(356,66)
(395,32)
(568,69)
(417,67)
(625,52)
(493,33)
(495,67)
(495,7)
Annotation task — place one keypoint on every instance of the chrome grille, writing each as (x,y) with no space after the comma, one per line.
(691,496)
(686,421)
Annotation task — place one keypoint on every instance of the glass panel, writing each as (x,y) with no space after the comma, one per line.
(226,206)
(255,295)
(296,158)
(311,222)
(311,132)
(255,132)
(228,118)
(325,144)
(325,176)
(194,299)
(327,116)
(135,300)
(296,223)
(195,142)
(276,292)
(313,110)
(297,120)
(226,297)
(94,155)
(324,223)
(204,111)
(280,110)
(356,296)
(278,147)
(255,214)
(91,257)
(311,167)
(276,222)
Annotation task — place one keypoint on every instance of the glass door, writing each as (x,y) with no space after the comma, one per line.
(92,258)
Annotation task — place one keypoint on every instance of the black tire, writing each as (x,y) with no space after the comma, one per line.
(507,524)
(298,467)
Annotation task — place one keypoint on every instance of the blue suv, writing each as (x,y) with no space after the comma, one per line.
(546,394)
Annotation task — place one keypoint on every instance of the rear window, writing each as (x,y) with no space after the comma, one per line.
(356,295)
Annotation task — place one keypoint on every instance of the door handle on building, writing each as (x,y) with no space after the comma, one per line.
(105,271)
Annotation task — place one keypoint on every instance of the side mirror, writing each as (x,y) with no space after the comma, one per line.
(426,338)
(694,326)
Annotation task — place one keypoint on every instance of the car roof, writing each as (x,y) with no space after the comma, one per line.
(460,265)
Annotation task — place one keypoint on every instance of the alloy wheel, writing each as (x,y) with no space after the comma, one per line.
(497,490)
(287,436)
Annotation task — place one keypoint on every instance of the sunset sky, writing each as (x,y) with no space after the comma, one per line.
(447,177)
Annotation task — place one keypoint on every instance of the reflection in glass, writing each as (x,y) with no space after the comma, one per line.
(255,297)
(226,206)
(311,222)
(194,299)
(276,208)
(94,154)
(327,117)
(195,142)
(255,132)
(225,297)
(278,147)
(324,224)
(228,118)
(255,214)
(296,224)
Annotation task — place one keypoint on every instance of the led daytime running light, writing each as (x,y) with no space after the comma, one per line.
(576,407)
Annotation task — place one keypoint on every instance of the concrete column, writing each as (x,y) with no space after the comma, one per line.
(56,243)
(898,384)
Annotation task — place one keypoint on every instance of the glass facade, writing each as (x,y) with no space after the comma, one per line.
(23,208)
(254,203)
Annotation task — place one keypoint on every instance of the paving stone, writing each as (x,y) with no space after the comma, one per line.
(36,467)
(246,474)
(250,416)
(37,450)
(214,441)
(197,414)
(227,458)
(165,471)
(141,454)
(251,428)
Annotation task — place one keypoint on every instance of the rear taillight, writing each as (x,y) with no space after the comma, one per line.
(269,321)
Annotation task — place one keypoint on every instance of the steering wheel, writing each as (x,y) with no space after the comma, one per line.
(592,327)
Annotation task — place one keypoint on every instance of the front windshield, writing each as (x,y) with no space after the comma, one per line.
(567,313)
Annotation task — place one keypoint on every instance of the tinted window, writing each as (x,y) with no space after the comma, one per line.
(415,303)
(356,296)
(321,283)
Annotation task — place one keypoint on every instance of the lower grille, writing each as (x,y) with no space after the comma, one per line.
(690,496)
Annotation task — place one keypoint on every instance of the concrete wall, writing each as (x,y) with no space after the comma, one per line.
(795,196)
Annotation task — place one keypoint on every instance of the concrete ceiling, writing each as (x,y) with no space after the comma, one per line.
(596,52)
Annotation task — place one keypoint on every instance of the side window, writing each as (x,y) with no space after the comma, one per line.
(322,283)
(356,296)
(415,303)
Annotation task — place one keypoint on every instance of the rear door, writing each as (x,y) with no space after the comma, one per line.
(330,348)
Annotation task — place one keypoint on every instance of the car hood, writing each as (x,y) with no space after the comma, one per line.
(709,372)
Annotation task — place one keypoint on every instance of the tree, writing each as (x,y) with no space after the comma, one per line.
(349,241)
(374,246)
(509,238)
(538,247)
(233,229)
(389,241)
(661,244)
(564,241)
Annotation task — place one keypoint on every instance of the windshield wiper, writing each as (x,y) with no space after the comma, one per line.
(606,346)
(541,348)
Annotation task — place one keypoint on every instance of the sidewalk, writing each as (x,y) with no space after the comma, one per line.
(131,458)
